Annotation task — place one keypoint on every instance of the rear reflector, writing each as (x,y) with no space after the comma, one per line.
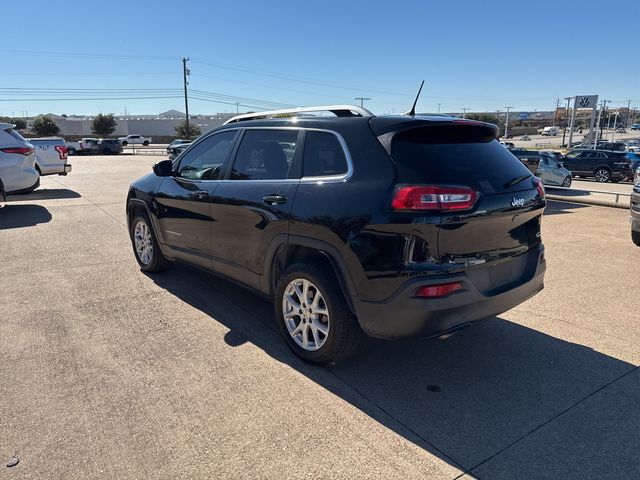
(434,198)
(436,291)
(18,150)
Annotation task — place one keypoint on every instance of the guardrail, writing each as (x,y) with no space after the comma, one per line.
(141,150)
(603,198)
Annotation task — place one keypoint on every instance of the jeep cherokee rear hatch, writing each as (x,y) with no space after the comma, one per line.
(484,202)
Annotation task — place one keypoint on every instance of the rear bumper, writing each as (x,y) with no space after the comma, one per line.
(405,316)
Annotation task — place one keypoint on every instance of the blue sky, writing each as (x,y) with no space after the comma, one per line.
(480,55)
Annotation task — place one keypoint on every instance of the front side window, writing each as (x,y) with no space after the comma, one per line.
(265,155)
(323,155)
(204,161)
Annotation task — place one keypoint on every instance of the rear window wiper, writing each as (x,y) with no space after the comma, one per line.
(516,180)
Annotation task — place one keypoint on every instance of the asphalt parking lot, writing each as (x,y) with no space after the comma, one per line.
(106,372)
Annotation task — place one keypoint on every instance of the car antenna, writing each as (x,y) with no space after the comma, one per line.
(412,112)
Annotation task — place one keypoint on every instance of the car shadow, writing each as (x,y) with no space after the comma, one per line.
(462,399)
(19,216)
(44,194)
(559,207)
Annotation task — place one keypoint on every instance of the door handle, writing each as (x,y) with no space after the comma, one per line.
(200,194)
(274,199)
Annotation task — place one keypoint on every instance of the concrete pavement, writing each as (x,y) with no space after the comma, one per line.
(110,373)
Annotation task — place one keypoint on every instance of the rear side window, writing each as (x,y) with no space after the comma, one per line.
(265,155)
(456,155)
(323,155)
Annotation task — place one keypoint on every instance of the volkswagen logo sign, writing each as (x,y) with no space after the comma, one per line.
(517,202)
(584,101)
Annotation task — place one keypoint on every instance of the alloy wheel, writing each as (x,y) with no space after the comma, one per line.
(305,314)
(143,242)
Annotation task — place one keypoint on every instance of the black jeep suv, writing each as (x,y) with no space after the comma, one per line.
(395,226)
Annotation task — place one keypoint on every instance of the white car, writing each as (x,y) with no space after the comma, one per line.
(18,172)
(135,140)
(51,155)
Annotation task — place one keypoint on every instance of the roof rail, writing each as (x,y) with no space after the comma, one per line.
(337,110)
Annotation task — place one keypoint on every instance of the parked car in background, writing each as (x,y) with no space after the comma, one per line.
(635,126)
(103,146)
(508,145)
(135,140)
(175,143)
(177,150)
(632,146)
(614,146)
(18,172)
(553,172)
(373,224)
(51,155)
(550,131)
(73,148)
(525,138)
(544,165)
(602,165)
(621,130)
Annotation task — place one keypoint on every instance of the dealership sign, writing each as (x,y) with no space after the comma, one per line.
(586,101)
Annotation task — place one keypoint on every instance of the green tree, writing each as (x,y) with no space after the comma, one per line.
(183,132)
(104,125)
(19,123)
(45,126)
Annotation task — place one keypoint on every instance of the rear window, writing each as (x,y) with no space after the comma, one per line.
(446,155)
(15,134)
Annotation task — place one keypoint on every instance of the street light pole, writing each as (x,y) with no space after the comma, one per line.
(566,117)
(464,112)
(506,123)
(439,107)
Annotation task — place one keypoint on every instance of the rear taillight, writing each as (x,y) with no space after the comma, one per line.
(538,183)
(436,198)
(436,291)
(18,150)
(62,151)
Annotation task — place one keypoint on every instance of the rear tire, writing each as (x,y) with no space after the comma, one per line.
(602,175)
(322,320)
(145,246)
(635,237)
(145,143)
(124,143)
(566,182)
(71,151)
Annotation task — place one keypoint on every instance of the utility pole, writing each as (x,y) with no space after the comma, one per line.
(185,74)
(626,120)
(362,99)
(615,123)
(464,112)
(506,122)
(555,115)
(439,107)
(566,117)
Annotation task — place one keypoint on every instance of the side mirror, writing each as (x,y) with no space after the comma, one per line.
(163,168)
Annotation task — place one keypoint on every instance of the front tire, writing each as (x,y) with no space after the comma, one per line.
(124,143)
(145,245)
(635,237)
(566,182)
(145,143)
(313,315)
(71,151)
